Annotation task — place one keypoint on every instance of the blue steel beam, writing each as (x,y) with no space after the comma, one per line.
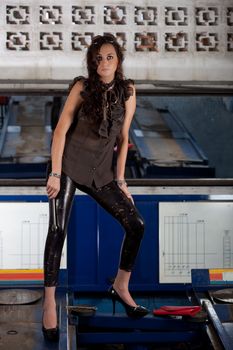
(214,319)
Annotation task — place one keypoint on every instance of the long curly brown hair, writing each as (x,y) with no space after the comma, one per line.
(93,51)
(93,88)
(93,92)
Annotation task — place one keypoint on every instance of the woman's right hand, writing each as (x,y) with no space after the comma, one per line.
(53,187)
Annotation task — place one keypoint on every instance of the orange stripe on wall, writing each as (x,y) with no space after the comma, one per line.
(20,271)
(212,271)
(21,276)
(216,276)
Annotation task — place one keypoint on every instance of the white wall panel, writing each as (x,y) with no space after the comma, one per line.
(163,39)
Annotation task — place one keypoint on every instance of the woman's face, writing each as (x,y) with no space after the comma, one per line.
(107,62)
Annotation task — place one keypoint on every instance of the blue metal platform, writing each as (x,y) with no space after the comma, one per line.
(93,246)
(104,327)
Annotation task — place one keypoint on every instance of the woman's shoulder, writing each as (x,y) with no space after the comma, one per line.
(129,82)
(128,87)
(79,81)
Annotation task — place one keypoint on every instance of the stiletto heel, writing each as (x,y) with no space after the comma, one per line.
(50,334)
(131,311)
(113,306)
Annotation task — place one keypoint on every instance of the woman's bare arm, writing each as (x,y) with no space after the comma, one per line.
(123,140)
(72,103)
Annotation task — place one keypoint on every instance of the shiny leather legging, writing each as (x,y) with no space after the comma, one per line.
(113,200)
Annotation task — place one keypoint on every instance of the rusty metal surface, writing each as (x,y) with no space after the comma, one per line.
(223,295)
(19,296)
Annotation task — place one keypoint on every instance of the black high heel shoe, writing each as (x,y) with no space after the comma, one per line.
(131,311)
(50,334)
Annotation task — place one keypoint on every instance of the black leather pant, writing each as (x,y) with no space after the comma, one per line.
(113,200)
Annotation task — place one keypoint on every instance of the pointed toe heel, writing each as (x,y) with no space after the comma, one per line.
(131,311)
(137,312)
(51,334)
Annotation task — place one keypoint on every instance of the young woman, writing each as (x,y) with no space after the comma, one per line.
(96,117)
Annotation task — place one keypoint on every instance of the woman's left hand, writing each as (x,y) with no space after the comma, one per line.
(125,189)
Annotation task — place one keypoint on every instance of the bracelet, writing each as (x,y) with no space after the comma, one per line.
(121,182)
(55,175)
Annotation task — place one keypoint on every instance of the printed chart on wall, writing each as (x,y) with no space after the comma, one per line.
(23,231)
(194,235)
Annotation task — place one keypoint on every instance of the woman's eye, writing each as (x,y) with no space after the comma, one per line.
(109,58)
(98,58)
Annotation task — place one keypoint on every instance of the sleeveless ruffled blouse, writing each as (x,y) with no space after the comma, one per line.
(89,146)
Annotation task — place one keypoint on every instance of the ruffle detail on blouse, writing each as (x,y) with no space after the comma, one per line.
(104,128)
(116,93)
